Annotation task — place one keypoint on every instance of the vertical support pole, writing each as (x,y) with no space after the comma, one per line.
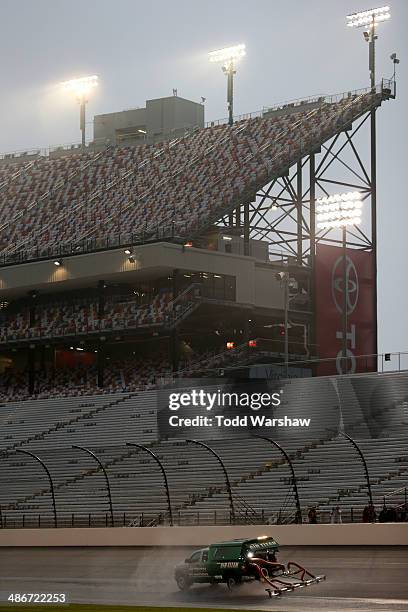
(345,303)
(286,323)
(101,300)
(224,469)
(163,471)
(100,362)
(230,93)
(373,143)
(82,104)
(174,348)
(363,459)
(299,189)
(312,242)
(54,507)
(237,216)
(292,470)
(31,369)
(108,489)
(246,229)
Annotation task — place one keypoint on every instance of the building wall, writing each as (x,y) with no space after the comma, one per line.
(161,117)
(105,126)
(255,283)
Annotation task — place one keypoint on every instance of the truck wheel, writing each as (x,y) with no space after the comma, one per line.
(183,583)
(232,582)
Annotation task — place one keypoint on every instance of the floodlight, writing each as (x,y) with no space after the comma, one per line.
(81,87)
(340,210)
(227,54)
(370,18)
(228,57)
(58,263)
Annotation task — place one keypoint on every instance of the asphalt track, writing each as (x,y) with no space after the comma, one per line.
(358,578)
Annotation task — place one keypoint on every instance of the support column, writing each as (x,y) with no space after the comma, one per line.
(101,299)
(373,143)
(345,301)
(246,229)
(299,190)
(374,218)
(100,362)
(174,343)
(82,123)
(312,243)
(31,369)
(237,216)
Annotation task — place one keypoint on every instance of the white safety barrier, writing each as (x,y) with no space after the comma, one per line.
(353,534)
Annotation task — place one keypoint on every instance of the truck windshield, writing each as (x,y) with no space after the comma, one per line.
(227,552)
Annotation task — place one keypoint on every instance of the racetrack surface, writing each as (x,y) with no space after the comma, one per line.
(358,578)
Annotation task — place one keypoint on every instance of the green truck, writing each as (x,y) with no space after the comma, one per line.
(230,562)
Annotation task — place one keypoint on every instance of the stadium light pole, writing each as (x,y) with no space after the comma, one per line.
(163,471)
(20,450)
(292,469)
(341,210)
(229,56)
(99,462)
(369,20)
(288,283)
(81,88)
(224,469)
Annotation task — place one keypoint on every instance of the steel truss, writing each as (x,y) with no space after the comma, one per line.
(283,212)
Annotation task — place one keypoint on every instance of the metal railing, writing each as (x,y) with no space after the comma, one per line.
(181,518)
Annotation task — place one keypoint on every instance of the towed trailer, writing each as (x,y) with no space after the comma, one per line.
(239,561)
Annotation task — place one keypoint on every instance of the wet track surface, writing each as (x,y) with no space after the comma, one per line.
(358,578)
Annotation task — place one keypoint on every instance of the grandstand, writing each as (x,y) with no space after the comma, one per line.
(125,267)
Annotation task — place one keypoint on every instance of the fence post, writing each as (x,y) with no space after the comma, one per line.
(352,515)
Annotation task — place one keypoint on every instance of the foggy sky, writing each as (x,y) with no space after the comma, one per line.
(142,50)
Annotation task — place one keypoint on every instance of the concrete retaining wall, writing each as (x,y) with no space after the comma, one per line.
(354,534)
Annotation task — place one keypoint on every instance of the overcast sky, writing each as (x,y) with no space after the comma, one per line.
(143,49)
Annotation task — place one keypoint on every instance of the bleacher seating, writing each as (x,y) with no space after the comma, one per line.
(328,470)
(181,184)
(76,317)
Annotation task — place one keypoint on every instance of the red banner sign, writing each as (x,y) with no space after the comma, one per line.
(361,323)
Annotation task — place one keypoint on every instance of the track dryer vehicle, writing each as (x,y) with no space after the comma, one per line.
(239,561)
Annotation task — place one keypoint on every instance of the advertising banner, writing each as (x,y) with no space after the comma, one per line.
(361,318)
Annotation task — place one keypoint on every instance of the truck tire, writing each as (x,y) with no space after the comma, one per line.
(183,583)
